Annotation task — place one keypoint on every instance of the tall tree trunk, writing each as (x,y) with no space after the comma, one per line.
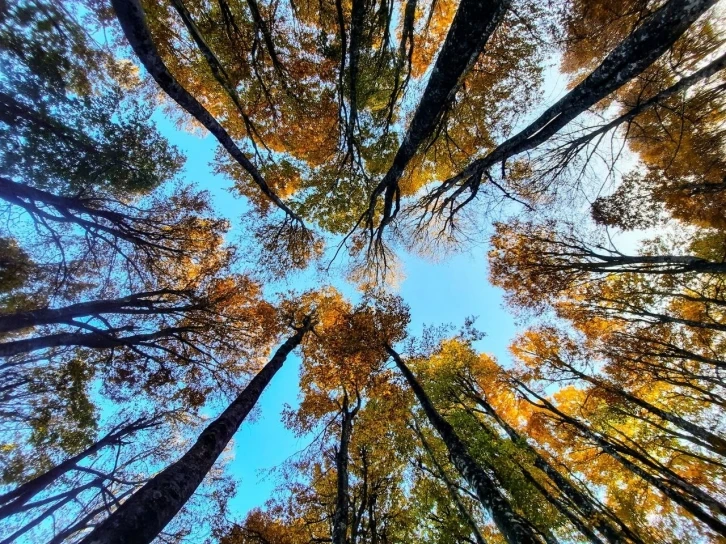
(705,438)
(453,493)
(681,492)
(95,340)
(681,85)
(140,519)
(474,23)
(579,499)
(514,528)
(655,35)
(151,302)
(340,515)
(133,22)
(564,507)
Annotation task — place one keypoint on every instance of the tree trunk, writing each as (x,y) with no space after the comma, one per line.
(670,484)
(514,528)
(453,493)
(705,438)
(581,501)
(655,35)
(678,87)
(564,508)
(133,23)
(140,519)
(138,303)
(473,25)
(119,225)
(340,515)
(95,340)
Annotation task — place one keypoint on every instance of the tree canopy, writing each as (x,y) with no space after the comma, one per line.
(581,143)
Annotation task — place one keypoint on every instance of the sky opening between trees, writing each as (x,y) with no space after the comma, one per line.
(206,199)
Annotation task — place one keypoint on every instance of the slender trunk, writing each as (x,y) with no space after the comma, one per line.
(706,439)
(95,340)
(678,87)
(133,23)
(453,493)
(357,17)
(655,35)
(581,501)
(358,515)
(372,522)
(514,528)
(215,66)
(14,500)
(563,508)
(143,516)
(604,304)
(138,303)
(340,515)
(643,264)
(71,209)
(264,29)
(473,25)
(670,484)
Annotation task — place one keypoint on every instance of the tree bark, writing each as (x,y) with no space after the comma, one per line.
(581,501)
(95,340)
(142,517)
(670,484)
(514,528)
(453,493)
(133,22)
(71,210)
(340,515)
(136,304)
(655,35)
(473,25)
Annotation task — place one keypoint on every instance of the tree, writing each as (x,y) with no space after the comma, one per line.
(509,523)
(657,32)
(147,512)
(378,128)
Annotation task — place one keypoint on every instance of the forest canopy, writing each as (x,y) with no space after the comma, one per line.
(149,297)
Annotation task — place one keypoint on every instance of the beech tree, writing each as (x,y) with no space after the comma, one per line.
(581,142)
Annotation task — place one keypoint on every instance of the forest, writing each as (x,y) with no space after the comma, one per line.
(152,296)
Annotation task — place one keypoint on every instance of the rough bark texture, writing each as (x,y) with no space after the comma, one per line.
(473,25)
(514,528)
(133,22)
(340,515)
(140,519)
(656,34)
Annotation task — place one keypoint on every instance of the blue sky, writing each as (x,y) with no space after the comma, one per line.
(437,292)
